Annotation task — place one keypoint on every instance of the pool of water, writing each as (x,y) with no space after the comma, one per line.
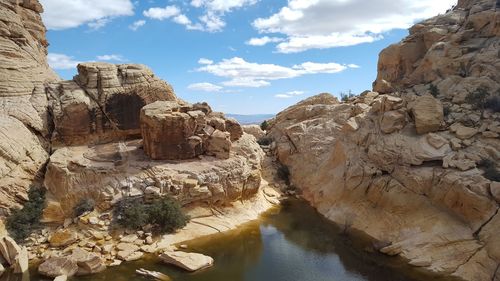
(293,243)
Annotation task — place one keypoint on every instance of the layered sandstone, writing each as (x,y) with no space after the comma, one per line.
(176,131)
(23,103)
(403,163)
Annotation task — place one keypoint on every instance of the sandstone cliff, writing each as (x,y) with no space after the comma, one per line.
(406,167)
(23,103)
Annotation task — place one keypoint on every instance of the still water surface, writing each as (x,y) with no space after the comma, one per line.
(291,244)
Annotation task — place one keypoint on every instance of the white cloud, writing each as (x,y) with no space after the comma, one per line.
(205,61)
(137,24)
(289,94)
(247,74)
(212,19)
(205,86)
(263,41)
(162,13)
(110,58)
(63,14)
(61,61)
(320,24)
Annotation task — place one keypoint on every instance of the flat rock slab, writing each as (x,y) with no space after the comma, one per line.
(187,261)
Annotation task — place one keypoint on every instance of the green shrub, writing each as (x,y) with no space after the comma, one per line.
(164,214)
(264,125)
(477,98)
(346,96)
(22,222)
(493,103)
(490,170)
(131,214)
(433,90)
(86,205)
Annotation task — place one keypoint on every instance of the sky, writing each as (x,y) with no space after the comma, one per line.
(240,56)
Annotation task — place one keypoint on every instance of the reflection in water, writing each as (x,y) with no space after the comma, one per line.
(292,244)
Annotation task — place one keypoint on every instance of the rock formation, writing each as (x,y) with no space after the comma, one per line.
(176,131)
(23,103)
(103,103)
(406,167)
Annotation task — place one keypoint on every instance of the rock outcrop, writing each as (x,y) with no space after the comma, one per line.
(176,131)
(103,103)
(23,102)
(406,164)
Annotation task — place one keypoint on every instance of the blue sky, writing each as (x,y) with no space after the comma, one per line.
(241,56)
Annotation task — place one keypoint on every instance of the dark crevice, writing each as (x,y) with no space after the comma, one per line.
(476,233)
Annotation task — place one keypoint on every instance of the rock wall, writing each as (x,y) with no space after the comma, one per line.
(23,102)
(457,52)
(407,167)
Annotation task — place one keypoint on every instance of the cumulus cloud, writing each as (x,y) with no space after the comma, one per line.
(290,94)
(320,24)
(61,61)
(205,61)
(263,41)
(110,58)
(162,13)
(213,18)
(137,24)
(247,74)
(171,12)
(205,86)
(63,14)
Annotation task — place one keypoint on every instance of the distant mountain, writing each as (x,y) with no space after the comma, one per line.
(250,119)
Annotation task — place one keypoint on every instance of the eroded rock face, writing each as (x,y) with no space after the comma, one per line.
(107,173)
(174,131)
(411,191)
(23,103)
(103,103)
(456,51)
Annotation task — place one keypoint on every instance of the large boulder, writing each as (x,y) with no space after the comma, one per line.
(187,261)
(428,114)
(103,102)
(176,131)
(57,266)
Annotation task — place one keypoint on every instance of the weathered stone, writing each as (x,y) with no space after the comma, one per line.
(254,130)
(103,102)
(219,145)
(61,278)
(187,261)
(428,114)
(88,263)
(62,238)
(463,132)
(392,121)
(495,190)
(21,262)
(57,266)
(234,128)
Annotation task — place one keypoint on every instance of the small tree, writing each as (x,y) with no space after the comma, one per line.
(264,125)
(433,90)
(477,98)
(346,96)
(22,222)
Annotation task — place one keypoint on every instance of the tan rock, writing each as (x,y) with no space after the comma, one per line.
(254,130)
(57,266)
(463,132)
(219,144)
(187,261)
(428,114)
(61,278)
(495,190)
(392,121)
(21,263)
(62,238)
